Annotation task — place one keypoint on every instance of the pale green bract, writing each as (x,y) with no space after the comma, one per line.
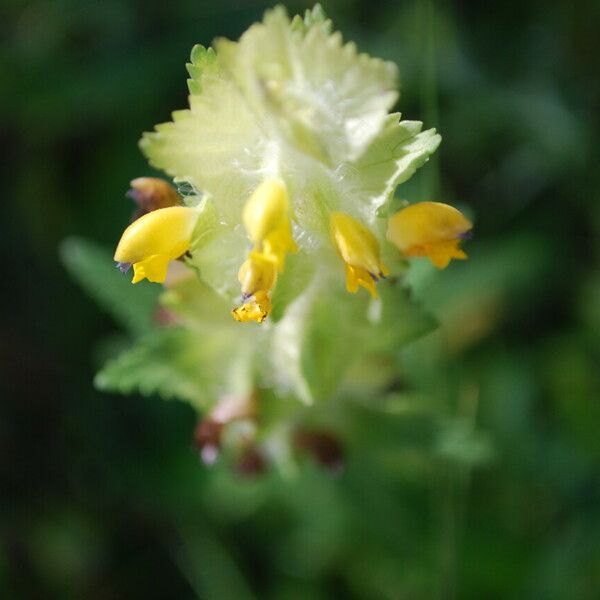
(291,100)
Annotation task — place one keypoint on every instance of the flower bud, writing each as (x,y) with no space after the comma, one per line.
(151,193)
(323,446)
(251,463)
(207,440)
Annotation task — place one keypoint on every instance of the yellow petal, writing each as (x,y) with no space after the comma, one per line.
(256,308)
(165,231)
(266,209)
(153,268)
(440,253)
(154,239)
(359,249)
(256,274)
(426,223)
(277,244)
(355,244)
(267,221)
(355,277)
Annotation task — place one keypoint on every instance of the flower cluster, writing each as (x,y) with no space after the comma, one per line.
(429,229)
(286,166)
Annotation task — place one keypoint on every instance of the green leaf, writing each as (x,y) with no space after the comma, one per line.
(205,357)
(393,157)
(323,95)
(334,335)
(208,565)
(311,17)
(163,363)
(215,145)
(94,269)
(344,328)
(203,67)
(397,319)
(327,330)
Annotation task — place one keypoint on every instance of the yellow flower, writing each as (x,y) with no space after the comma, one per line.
(359,250)
(430,229)
(154,239)
(257,277)
(267,221)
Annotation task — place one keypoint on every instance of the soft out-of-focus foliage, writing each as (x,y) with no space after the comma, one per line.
(495,497)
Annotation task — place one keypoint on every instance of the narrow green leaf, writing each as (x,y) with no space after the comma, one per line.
(93,267)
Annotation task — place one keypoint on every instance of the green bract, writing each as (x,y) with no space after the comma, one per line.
(288,100)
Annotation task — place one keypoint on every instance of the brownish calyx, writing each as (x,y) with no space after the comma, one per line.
(209,431)
(252,462)
(151,193)
(207,440)
(323,446)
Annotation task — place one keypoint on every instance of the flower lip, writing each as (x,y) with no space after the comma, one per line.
(257,277)
(256,308)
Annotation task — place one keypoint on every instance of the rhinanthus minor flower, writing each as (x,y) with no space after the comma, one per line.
(266,219)
(257,277)
(288,140)
(287,160)
(430,229)
(154,239)
(359,250)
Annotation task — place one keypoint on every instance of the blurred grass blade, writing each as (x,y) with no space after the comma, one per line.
(94,269)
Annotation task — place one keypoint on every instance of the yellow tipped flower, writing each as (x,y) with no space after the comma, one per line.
(154,239)
(267,221)
(257,277)
(359,250)
(430,229)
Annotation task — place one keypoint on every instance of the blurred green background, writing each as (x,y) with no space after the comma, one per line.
(103,497)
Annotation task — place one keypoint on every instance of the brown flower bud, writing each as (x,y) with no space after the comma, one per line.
(151,193)
(251,463)
(207,439)
(323,446)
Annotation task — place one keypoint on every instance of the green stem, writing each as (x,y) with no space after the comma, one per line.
(426,17)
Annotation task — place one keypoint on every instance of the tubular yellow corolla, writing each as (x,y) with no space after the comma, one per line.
(257,277)
(359,250)
(266,218)
(430,229)
(156,238)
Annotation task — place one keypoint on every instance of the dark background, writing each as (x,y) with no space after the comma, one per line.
(102,496)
